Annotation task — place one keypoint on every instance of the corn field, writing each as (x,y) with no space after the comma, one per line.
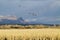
(30,34)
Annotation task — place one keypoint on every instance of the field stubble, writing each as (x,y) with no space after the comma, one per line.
(30,34)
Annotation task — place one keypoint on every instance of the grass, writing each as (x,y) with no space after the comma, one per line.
(30,34)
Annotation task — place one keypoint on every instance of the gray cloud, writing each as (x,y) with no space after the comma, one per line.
(48,8)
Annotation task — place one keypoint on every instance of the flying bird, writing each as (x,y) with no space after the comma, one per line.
(33,14)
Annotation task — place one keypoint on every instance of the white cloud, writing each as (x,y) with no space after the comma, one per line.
(1,16)
(8,17)
(34,19)
(30,20)
(26,20)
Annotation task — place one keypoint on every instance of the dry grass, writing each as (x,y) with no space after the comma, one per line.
(30,34)
(26,27)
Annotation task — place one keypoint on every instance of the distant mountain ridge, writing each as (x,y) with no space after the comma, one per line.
(14,20)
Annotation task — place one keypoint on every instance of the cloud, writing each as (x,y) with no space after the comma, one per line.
(34,19)
(35,5)
(50,19)
(55,4)
(26,20)
(8,17)
(30,20)
(48,8)
(1,16)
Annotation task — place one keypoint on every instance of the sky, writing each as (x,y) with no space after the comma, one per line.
(43,11)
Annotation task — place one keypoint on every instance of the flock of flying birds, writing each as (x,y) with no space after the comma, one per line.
(32,14)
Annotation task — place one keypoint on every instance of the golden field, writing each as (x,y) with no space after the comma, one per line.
(30,34)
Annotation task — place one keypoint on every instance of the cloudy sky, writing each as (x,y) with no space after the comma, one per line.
(44,11)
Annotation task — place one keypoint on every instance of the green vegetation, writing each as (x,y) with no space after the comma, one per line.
(26,26)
